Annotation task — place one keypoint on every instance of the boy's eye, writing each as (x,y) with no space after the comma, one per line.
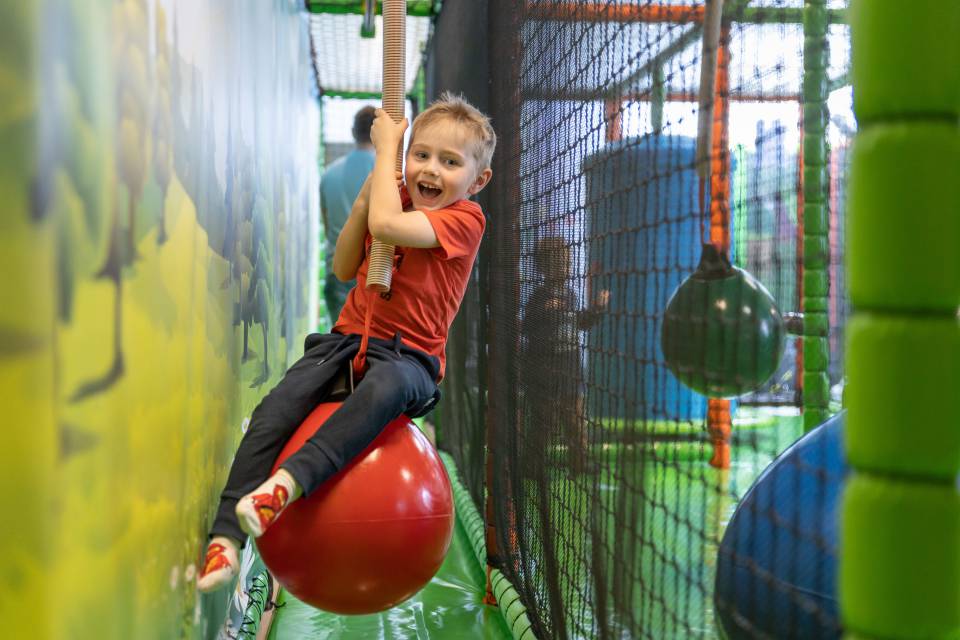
(420,155)
(452,163)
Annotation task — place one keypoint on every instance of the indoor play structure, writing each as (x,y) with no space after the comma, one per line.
(700,387)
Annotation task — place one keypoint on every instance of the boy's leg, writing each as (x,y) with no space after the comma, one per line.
(273,422)
(275,419)
(258,509)
(400,380)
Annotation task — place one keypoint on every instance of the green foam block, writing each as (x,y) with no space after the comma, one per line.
(904,374)
(900,558)
(904,217)
(905,58)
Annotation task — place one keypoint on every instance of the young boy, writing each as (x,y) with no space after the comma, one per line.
(437,233)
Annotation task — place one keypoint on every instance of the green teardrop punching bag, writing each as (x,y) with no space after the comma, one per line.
(722,333)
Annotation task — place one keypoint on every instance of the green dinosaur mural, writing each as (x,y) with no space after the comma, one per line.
(157,271)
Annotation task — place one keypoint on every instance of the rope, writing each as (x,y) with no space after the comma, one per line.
(360,360)
(379,271)
(380,267)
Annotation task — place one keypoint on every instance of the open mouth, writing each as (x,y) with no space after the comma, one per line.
(427,191)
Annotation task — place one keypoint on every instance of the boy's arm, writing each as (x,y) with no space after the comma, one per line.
(349,250)
(388,221)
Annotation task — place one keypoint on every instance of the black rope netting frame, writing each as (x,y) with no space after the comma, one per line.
(457,61)
(612,482)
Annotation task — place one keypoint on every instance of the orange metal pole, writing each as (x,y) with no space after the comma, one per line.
(673,96)
(596,12)
(689,96)
(720,153)
(718,410)
(612,112)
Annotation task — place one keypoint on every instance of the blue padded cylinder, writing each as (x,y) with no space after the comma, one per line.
(644,229)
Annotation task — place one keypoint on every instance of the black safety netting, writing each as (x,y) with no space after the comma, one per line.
(634,351)
(457,60)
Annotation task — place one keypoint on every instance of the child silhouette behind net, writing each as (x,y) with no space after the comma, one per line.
(553,355)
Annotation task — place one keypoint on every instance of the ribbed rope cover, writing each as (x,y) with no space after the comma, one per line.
(394,62)
(708,77)
(511,607)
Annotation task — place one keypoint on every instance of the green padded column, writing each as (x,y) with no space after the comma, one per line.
(903,408)
(658,96)
(905,239)
(900,532)
(905,59)
(816,215)
(906,535)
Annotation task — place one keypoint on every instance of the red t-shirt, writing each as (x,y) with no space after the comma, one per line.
(427,285)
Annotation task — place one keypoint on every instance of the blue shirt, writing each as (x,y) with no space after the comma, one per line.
(339,186)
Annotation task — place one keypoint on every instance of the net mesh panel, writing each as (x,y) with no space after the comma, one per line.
(607,513)
(348,63)
(462,414)
(456,61)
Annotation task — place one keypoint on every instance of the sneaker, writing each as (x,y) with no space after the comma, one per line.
(220,565)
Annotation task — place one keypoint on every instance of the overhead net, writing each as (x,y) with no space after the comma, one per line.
(350,65)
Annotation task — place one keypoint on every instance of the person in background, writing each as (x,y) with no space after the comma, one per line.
(339,186)
(552,326)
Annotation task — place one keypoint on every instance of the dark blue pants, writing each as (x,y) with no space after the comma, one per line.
(399,380)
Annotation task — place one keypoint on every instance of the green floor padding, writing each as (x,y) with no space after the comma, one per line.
(450,606)
(674,528)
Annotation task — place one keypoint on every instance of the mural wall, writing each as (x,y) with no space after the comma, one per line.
(158,254)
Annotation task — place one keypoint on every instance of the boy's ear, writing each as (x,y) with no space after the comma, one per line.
(480,182)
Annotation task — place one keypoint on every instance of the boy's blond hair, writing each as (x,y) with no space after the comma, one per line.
(457,109)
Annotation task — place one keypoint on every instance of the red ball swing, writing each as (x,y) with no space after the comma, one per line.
(376,532)
(371,536)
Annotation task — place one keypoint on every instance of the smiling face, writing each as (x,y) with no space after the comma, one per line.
(441,167)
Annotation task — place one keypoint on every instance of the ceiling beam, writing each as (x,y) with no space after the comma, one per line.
(669,96)
(675,13)
(682,41)
(417,8)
